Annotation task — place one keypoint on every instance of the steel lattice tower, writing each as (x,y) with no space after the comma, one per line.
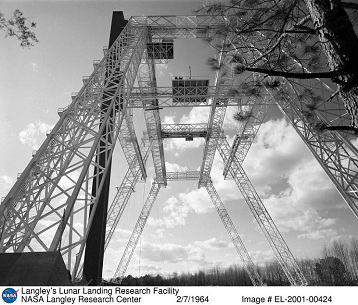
(67,176)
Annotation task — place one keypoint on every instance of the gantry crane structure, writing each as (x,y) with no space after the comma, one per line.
(48,208)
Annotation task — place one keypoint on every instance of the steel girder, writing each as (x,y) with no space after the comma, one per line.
(176,176)
(334,150)
(318,115)
(216,120)
(234,235)
(147,84)
(165,95)
(184,130)
(246,133)
(125,190)
(263,218)
(137,231)
(178,26)
(129,143)
(54,192)
(221,210)
(315,123)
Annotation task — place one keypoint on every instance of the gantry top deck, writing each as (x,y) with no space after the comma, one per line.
(178,26)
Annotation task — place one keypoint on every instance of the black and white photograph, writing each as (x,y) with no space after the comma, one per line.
(155,148)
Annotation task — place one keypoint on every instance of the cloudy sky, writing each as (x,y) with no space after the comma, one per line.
(184,232)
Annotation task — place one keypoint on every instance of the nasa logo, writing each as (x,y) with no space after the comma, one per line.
(9,295)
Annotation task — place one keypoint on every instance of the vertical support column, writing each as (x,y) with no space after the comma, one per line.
(93,261)
(147,84)
(216,118)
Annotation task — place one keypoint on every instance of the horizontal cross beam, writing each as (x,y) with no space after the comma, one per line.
(187,131)
(176,176)
(178,26)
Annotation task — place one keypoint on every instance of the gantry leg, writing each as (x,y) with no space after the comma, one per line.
(125,190)
(224,216)
(137,231)
(282,252)
(235,238)
(247,132)
(57,183)
(94,252)
(123,195)
(147,85)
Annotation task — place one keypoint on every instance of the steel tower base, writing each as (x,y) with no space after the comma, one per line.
(33,269)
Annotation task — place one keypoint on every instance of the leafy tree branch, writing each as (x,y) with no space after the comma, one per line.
(292,39)
(19,27)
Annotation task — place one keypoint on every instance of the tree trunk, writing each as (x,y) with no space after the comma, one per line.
(340,44)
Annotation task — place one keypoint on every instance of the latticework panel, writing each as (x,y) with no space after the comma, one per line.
(55,190)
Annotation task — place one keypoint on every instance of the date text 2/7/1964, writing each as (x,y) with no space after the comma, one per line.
(192,299)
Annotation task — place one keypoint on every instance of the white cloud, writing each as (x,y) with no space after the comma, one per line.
(171,253)
(178,145)
(279,159)
(276,151)
(311,186)
(213,244)
(47,235)
(178,208)
(34,134)
(174,167)
(168,119)
(121,233)
(197,200)
(159,233)
(297,191)
(229,122)
(177,212)
(298,206)
(261,257)
(227,189)
(6,180)
(161,70)
(289,217)
(6,183)
(118,241)
(34,66)
(319,234)
(198,115)
(69,181)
